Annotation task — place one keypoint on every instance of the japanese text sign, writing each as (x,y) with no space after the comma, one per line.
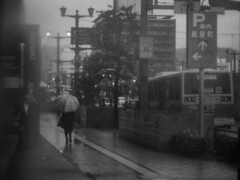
(146,47)
(180,6)
(202,40)
(84,35)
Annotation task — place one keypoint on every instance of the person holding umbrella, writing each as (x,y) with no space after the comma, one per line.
(67,123)
(67,104)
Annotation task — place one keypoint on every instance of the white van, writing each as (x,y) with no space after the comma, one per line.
(121,101)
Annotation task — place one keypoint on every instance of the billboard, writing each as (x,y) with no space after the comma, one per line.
(163,33)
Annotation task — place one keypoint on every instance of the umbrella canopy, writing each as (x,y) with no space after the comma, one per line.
(66,103)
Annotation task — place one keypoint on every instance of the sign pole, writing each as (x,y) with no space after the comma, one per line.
(201,104)
(143,63)
(189,8)
(201,48)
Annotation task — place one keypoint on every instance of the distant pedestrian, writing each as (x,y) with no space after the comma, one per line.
(67,104)
(24,113)
(66,121)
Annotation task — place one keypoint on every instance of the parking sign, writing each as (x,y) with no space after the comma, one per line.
(202,40)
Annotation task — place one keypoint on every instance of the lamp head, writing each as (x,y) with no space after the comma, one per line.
(48,33)
(63,11)
(90,11)
(68,34)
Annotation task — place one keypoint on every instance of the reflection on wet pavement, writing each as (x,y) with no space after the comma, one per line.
(168,165)
(80,155)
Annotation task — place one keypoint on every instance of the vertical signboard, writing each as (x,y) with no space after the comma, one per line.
(202,40)
(163,32)
(32,70)
(32,64)
(146,47)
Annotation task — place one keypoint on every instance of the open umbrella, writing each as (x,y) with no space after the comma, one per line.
(66,103)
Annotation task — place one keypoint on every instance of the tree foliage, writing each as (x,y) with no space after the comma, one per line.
(117,32)
(92,76)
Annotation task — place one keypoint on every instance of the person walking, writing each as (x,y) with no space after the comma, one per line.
(67,104)
(66,121)
(24,113)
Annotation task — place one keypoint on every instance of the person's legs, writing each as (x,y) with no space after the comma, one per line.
(70,136)
(66,136)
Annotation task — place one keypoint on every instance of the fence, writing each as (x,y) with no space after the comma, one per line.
(224,142)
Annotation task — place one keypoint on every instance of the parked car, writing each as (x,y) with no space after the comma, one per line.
(131,104)
(121,101)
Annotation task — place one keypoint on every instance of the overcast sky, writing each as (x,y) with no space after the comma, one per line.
(47,14)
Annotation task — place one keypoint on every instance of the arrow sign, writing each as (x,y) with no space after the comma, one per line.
(196,56)
(202,45)
(202,39)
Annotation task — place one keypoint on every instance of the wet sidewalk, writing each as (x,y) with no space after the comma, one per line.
(164,165)
(167,165)
(41,161)
(8,144)
(100,155)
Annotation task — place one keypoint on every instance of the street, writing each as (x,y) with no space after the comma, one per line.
(103,155)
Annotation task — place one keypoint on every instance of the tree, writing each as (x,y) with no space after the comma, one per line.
(91,76)
(117,32)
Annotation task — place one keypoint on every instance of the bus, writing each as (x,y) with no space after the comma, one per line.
(179,91)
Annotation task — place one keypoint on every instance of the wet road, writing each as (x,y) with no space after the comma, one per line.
(103,155)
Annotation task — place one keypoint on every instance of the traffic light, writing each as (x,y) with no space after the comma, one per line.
(227,4)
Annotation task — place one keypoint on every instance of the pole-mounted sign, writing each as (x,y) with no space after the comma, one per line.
(202,40)
(180,6)
(84,35)
(146,47)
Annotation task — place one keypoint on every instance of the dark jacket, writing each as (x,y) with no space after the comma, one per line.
(68,120)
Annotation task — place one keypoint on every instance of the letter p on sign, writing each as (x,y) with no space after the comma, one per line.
(198,18)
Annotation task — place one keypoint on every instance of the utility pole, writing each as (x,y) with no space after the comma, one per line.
(58,38)
(143,63)
(77,49)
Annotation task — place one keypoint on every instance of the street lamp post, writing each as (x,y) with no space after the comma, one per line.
(77,49)
(58,38)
